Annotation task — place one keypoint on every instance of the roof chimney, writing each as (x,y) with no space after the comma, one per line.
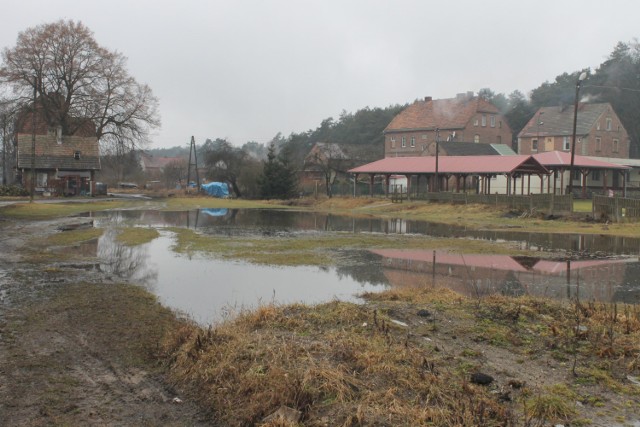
(427,98)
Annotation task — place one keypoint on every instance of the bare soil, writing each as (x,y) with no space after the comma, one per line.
(75,347)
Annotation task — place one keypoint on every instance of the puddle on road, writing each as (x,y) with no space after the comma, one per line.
(209,289)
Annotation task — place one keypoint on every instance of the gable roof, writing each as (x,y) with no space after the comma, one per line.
(560,159)
(451,113)
(149,161)
(454,164)
(558,121)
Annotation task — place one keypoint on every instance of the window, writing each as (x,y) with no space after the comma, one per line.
(598,125)
(424,136)
(476,138)
(76,155)
(484,120)
(475,122)
(41,179)
(404,142)
(595,175)
(393,142)
(493,121)
(534,145)
(566,143)
(615,146)
(413,141)
(576,175)
(598,144)
(500,124)
(608,124)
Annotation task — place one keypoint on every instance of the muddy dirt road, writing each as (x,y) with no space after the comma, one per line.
(76,347)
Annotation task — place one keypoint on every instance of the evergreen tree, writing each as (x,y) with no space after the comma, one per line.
(278,179)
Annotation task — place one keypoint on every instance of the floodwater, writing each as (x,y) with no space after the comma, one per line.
(588,267)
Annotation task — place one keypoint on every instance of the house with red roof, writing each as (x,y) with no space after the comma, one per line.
(465,118)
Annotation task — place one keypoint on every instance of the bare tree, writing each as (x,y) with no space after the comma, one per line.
(76,80)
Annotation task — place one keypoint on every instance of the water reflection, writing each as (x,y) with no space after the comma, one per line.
(208,289)
(273,222)
(477,275)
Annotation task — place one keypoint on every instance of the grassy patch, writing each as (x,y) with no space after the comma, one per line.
(321,249)
(56,210)
(133,236)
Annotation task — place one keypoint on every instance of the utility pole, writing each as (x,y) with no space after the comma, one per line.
(193,155)
(437,155)
(33,141)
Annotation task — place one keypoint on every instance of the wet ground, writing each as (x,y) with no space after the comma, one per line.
(209,289)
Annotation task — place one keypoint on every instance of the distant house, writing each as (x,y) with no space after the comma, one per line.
(599,131)
(328,163)
(154,169)
(465,118)
(63,164)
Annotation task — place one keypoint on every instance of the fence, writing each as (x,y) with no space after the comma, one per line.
(549,203)
(616,208)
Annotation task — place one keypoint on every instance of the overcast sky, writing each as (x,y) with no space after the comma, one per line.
(245,70)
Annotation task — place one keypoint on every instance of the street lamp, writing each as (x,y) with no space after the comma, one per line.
(573,138)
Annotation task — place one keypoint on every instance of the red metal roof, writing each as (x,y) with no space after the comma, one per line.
(557,159)
(454,165)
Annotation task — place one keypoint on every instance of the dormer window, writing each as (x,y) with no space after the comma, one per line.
(59,134)
(76,155)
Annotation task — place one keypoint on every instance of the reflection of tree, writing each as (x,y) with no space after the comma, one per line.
(363,267)
(125,262)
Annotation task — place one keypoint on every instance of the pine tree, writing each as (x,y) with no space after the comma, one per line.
(278,179)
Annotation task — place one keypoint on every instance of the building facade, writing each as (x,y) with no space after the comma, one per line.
(599,132)
(465,118)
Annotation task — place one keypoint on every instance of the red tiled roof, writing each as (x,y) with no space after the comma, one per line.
(454,164)
(151,162)
(452,113)
(560,158)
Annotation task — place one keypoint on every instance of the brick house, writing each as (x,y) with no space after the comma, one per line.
(465,118)
(599,132)
(64,164)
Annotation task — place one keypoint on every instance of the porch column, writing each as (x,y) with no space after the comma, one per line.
(457,183)
(408,186)
(542,183)
(528,184)
(562,190)
(488,184)
(371,179)
(604,182)
(584,182)
(522,185)
(386,184)
(355,184)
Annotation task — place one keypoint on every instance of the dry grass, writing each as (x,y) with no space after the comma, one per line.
(346,364)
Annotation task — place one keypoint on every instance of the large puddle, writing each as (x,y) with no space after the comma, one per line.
(601,268)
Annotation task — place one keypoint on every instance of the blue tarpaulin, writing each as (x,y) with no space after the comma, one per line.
(216,189)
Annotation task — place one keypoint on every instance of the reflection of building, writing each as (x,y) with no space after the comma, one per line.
(477,274)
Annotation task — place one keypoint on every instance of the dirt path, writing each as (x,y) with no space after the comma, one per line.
(76,348)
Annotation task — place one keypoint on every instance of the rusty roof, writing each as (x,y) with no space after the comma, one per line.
(451,113)
(455,165)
